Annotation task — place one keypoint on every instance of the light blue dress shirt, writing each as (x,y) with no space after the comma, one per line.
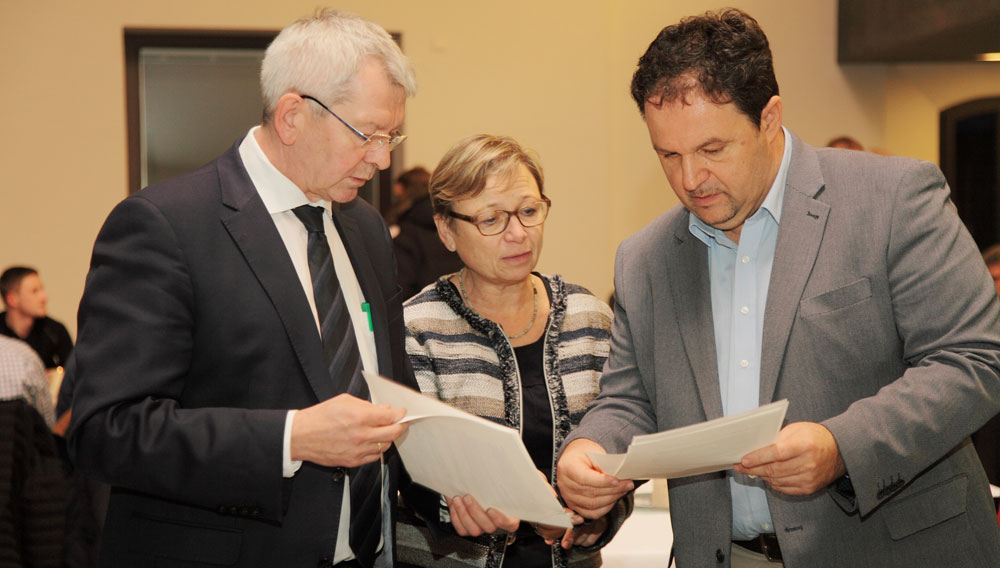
(739,275)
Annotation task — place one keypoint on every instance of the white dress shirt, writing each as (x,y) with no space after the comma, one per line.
(281,196)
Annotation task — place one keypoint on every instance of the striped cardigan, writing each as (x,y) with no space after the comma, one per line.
(467,361)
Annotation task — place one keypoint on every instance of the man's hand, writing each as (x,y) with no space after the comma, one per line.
(585,488)
(803,460)
(469,518)
(344,431)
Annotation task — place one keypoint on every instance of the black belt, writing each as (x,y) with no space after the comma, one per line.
(766,544)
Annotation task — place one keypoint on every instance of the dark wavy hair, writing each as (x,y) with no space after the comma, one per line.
(724,53)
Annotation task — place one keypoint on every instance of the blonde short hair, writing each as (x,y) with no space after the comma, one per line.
(464,170)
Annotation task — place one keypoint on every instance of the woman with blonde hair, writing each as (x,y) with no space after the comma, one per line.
(506,343)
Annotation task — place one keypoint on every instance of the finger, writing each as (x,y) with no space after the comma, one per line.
(387,433)
(459,518)
(382,414)
(502,521)
(757,458)
(586,539)
(567,540)
(548,533)
(478,516)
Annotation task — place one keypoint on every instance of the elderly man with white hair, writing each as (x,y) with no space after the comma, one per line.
(226,320)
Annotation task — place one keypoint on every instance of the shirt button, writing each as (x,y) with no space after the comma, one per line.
(767,527)
(745,259)
(744,310)
(744,363)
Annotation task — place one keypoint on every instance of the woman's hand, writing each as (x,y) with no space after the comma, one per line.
(579,535)
(469,519)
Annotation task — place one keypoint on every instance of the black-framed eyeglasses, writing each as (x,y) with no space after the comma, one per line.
(370,141)
(495,222)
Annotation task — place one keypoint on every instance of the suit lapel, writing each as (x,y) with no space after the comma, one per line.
(687,270)
(365,271)
(803,220)
(254,233)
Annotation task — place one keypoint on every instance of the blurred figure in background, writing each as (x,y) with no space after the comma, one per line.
(23,376)
(420,255)
(845,142)
(410,187)
(992,259)
(26,319)
(987,438)
(32,483)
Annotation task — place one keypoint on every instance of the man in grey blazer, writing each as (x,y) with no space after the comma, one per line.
(839,280)
(227,316)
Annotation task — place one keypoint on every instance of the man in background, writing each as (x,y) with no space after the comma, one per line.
(839,280)
(33,488)
(227,317)
(421,257)
(23,376)
(25,298)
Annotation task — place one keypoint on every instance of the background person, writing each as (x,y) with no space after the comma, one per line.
(410,186)
(882,330)
(421,257)
(227,316)
(25,318)
(987,438)
(845,142)
(23,376)
(500,341)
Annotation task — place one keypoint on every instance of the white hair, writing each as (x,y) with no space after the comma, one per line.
(320,55)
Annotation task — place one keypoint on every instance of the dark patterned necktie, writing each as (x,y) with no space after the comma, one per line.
(343,359)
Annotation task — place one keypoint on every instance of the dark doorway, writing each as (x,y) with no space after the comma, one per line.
(970,160)
(190,94)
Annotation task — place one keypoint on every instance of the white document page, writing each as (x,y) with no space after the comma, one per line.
(456,453)
(699,448)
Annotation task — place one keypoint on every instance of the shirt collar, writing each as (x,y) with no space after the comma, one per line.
(771,205)
(276,191)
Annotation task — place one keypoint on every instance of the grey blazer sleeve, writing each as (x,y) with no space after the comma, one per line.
(947,319)
(626,392)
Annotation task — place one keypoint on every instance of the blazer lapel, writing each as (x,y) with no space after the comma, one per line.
(686,267)
(803,220)
(361,261)
(254,233)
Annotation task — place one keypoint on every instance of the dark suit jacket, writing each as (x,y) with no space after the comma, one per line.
(881,322)
(195,339)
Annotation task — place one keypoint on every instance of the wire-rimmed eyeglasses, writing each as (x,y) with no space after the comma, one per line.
(369,142)
(495,222)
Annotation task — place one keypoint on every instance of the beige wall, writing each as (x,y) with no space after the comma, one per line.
(552,74)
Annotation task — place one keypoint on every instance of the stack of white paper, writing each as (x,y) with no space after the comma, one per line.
(699,448)
(456,453)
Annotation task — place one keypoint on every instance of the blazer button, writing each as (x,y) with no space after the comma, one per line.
(719,556)
(338,474)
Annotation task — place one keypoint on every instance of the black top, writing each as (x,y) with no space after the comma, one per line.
(536,431)
(536,423)
(47,337)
